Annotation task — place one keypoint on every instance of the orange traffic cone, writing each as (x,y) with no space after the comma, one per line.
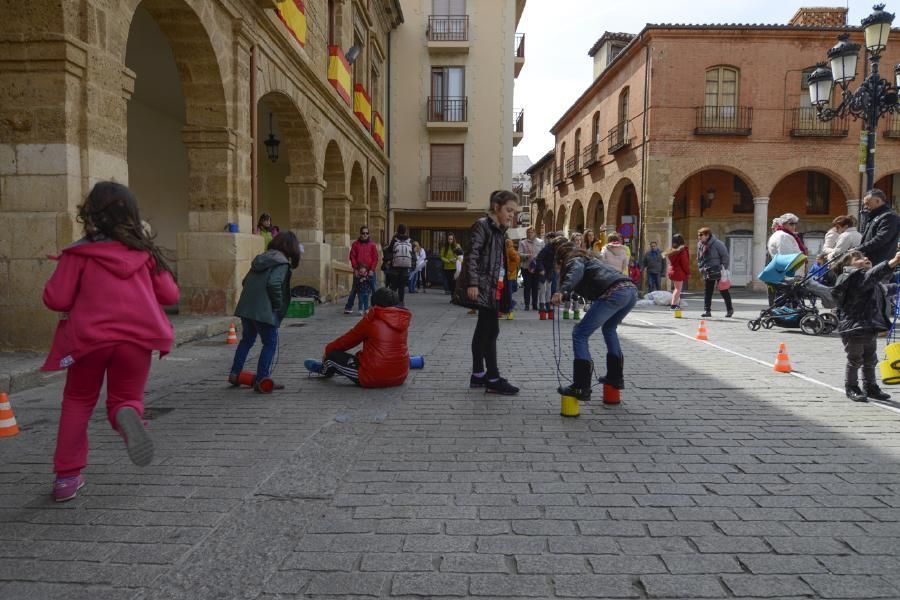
(782,362)
(8,425)
(611,395)
(701,332)
(232,335)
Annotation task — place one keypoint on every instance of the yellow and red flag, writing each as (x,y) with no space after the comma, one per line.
(339,72)
(293,14)
(362,105)
(378,129)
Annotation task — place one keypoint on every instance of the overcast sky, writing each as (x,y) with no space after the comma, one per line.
(559,33)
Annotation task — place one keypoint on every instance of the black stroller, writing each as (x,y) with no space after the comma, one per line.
(796,300)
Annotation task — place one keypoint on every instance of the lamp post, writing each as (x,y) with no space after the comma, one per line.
(874,97)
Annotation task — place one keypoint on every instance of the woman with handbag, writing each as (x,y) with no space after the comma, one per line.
(712,260)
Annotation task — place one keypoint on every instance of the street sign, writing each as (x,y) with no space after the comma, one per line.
(626,230)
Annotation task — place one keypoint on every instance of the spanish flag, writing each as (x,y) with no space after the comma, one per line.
(362,105)
(293,14)
(339,72)
(378,129)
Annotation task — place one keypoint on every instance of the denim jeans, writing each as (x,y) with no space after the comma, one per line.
(606,313)
(652,282)
(269,336)
(413,281)
(357,289)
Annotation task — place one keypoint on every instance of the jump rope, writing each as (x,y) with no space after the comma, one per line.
(556,334)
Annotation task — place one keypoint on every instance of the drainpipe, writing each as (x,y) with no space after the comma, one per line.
(644,143)
(390,128)
(254,200)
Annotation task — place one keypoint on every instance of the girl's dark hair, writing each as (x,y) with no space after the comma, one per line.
(502,197)
(677,240)
(401,229)
(263,217)
(111,210)
(447,244)
(566,251)
(288,244)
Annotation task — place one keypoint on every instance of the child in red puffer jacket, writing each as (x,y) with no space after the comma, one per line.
(384,358)
(109,288)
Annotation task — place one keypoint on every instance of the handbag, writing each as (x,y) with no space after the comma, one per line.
(725,281)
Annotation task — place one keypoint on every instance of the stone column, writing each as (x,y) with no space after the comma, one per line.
(760,236)
(337,220)
(853,208)
(307,221)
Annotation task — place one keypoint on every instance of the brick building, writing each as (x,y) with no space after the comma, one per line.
(177,98)
(709,125)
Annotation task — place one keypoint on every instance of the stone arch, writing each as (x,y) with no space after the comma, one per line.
(359,207)
(749,181)
(376,212)
(596,216)
(814,194)
(561,220)
(576,217)
(889,183)
(548,222)
(336,200)
(842,184)
(333,171)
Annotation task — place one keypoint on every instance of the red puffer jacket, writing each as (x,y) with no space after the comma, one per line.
(679,265)
(384,358)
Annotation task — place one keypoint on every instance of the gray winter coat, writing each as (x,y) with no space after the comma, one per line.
(481,265)
(712,256)
(654,262)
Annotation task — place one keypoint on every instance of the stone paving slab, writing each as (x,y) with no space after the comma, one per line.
(715,478)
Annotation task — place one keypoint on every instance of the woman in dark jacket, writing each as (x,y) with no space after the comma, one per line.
(864,311)
(264,302)
(712,257)
(477,286)
(612,296)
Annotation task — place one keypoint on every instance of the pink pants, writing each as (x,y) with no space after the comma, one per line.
(126,367)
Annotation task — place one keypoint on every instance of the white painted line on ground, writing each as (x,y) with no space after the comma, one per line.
(762,362)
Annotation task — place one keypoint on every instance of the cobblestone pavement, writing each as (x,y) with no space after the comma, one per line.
(715,478)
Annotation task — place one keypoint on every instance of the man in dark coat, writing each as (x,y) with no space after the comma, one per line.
(879,238)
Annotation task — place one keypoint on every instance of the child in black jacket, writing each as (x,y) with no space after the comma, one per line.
(863,297)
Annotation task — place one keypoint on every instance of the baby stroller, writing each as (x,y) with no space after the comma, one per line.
(795,299)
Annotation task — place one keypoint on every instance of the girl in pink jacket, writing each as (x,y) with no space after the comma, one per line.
(109,288)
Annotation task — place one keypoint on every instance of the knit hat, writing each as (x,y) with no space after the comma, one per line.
(385,298)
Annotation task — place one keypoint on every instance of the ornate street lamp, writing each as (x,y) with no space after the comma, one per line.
(875,96)
(272,143)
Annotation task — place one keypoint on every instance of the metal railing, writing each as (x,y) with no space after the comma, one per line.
(447,189)
(448,28)
(893,127)
(618,137)
(805,122)
(724,120)
(572,167)
(520,45)
(558,176)
(448,109)
(588,155)
(519,120)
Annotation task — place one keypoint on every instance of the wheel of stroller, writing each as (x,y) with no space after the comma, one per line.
(831,322)
(812,324)
(768,323)
(753,324)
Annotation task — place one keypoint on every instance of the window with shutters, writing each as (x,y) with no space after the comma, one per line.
(448,21)
(447,182)
(448,95)
(360,40)
(720,97)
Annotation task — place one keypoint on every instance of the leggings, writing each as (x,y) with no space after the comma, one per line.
(484,343)
(544,298)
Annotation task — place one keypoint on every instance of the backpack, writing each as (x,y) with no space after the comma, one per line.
(403,254)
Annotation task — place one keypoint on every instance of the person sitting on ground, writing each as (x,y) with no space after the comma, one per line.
(384,358)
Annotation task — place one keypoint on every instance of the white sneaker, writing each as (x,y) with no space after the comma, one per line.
(362,312)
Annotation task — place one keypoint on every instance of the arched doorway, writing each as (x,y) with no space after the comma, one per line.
(576,220)
(279,116)
(359,207)
(337,201)
(625,211)
(561,220)
(721,199)
(890,185)
(548,222)
(376,213)
(815,196)
(596,217)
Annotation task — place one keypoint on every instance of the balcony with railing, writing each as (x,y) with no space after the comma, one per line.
(893,127)
(805,122)
(447,112)
(446,190)
(558,178)
(618,137)
(519,52)
(448,33)
(518,126)
(724,120)
(589,156)
(572,167)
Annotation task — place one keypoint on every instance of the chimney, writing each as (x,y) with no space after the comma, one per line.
(820,16)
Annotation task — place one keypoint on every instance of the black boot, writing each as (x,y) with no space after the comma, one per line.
(581,380)
(851,385)
(615,371)
(870,384)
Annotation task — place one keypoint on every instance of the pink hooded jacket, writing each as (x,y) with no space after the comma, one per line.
(111,295)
